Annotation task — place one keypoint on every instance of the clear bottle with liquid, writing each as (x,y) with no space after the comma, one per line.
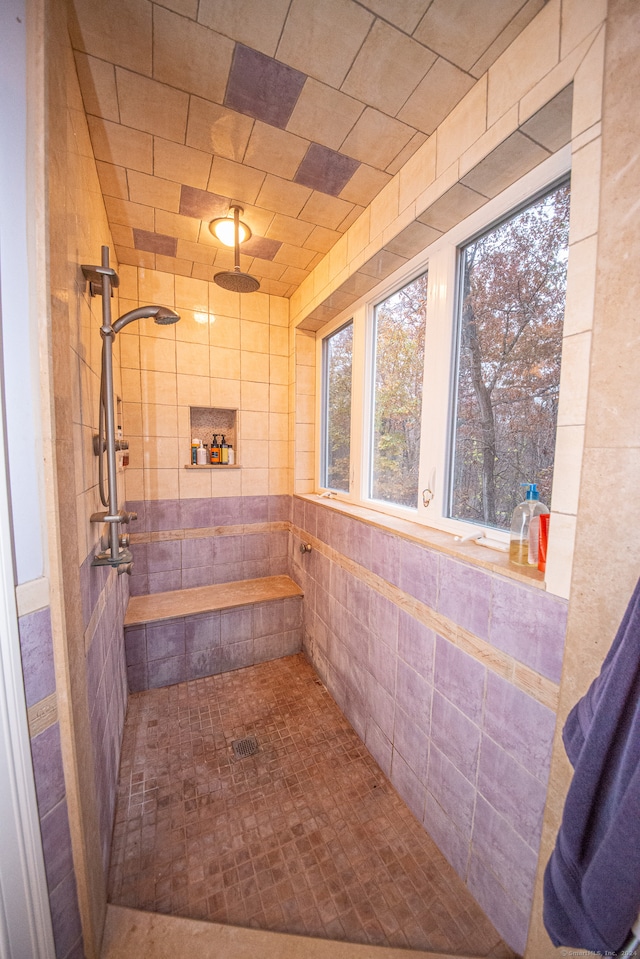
(525,528)
(224,452)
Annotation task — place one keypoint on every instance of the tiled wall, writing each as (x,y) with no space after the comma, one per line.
(449,674)
(36,647)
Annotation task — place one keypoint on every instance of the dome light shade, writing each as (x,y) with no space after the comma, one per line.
(224,228)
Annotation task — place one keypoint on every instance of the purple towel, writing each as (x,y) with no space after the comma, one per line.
(592,881)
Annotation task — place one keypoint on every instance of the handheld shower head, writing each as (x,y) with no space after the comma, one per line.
(161,314)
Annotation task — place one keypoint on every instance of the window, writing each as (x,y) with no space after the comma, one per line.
(399,331)
(337,356)
(511,310)
(444,382)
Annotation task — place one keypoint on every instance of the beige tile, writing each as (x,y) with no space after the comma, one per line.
(200,254)
(225,363)
(280,482)
(173,224)
(160,452)
(435,97)
(462,127)
(156,388)
(159,420)
(151,106)
(412,146)
(567,468)
(183,164)
(133,215)
(327,211)
(281,196)
(278,454)
(305,408)
(254,425)
(254,366)
(376,139)
(278,399)
(278,340)
(98,83)
(514,157)
(585,190)
(129,350)
(215,129)
(194,484)
(289,255)
(476,28)
(289,230)
(388,68)
(305,437)
(321,239)
(323,114)
(193,326)
(255,306)
(304,466)
(516,25)
(412,240)
(255,454)
(365,184)
(456,204)
(224,392)
(275,151)
(153,191)
(305,379)
(122,236)
(531,55)
(132,419)
(293,276)
(131,386)
(181,48)
(124,37)
(255,482)
(305,348)
(581,284)
(161,484)
(484,145)
(551,125)
(192,358)
(225,483)
(579,19)
(136,258)
(254,337)
(156,287)
(134,483)
(245,21)
(278,426)
(278,370)
(225,331)
(255,397)
(157,355)
(385,208)
(173,264)
(232,179)
(128,284)
(574,379)
(223,301)
(192,294)
(322,41)
(193,390)
(588,86)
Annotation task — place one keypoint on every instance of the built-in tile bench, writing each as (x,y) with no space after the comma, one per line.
(191,633)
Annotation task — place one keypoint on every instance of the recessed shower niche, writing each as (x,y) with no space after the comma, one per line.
(207,423)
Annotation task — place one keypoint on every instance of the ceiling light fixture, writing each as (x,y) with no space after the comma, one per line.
(232,232)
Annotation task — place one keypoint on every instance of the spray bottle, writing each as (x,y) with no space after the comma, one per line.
(525,528)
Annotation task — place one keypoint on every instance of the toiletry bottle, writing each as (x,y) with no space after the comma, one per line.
(215,449)
(523,542)
(224,452)
(194,451)
(201,455)
(232,455)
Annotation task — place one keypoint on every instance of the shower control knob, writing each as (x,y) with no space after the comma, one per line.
(305,547)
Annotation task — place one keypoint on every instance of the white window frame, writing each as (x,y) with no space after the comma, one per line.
(441,261)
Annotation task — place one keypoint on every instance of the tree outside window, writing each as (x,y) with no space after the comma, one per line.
(337,362)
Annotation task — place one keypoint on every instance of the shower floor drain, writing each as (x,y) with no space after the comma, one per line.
(244,747)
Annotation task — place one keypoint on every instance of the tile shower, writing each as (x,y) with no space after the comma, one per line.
(432,661)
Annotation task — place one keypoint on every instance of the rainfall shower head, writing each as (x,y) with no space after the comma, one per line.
(161,314)
(236,281)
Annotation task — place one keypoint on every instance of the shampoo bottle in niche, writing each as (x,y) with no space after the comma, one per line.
(195,443)
(201,455)
(215,449)
(525,528)
(224,452)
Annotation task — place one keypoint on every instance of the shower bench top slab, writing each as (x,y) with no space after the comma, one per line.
(207,599)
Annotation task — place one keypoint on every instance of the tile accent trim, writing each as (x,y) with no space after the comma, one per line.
(32,595)
(42,715)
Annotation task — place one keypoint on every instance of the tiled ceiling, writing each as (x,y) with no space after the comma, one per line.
(298,110)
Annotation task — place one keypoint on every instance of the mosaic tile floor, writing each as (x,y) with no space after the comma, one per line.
(304,836)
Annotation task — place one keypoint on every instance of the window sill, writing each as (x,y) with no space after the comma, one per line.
(481,556)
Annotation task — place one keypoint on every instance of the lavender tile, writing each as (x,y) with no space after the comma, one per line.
(453,846)
(197,576)
(452,791)
(135,644)
(339,584)
(504,853)
(325,170)
(278,566)
(36,648)
(529,625)
(85,591)
(197,552)
(357,599)
(298,512)
(165,640)
(47,767)
(164,582)
(321,570)
(227,550)
(196,513)
(465,596)
(279,508)
(138,584)
(255,569)
(138,506)
(511,922)
(278,543)
(413,695)
(236,656)
(412,743)
(65,915)
(456,736)
(310,518)
(202,204)
(154,242)
(139,557)
(416,644)
(380,706)
(163,514)
(228,573)
(382,663)
(293,613)
(512,791)
(255,546)
(323,522)
(419,573)
(460,679)
(227,511)
(262,87)
(383,619)
(56,844)
(166,672)
(255,509)
(520,725)
(202,631)
(268,618)
(408,786)
(356,638)
(384,559)
(202,662)
(137,678)
(236,625)
(379,746)
(164,556)
(76,951)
